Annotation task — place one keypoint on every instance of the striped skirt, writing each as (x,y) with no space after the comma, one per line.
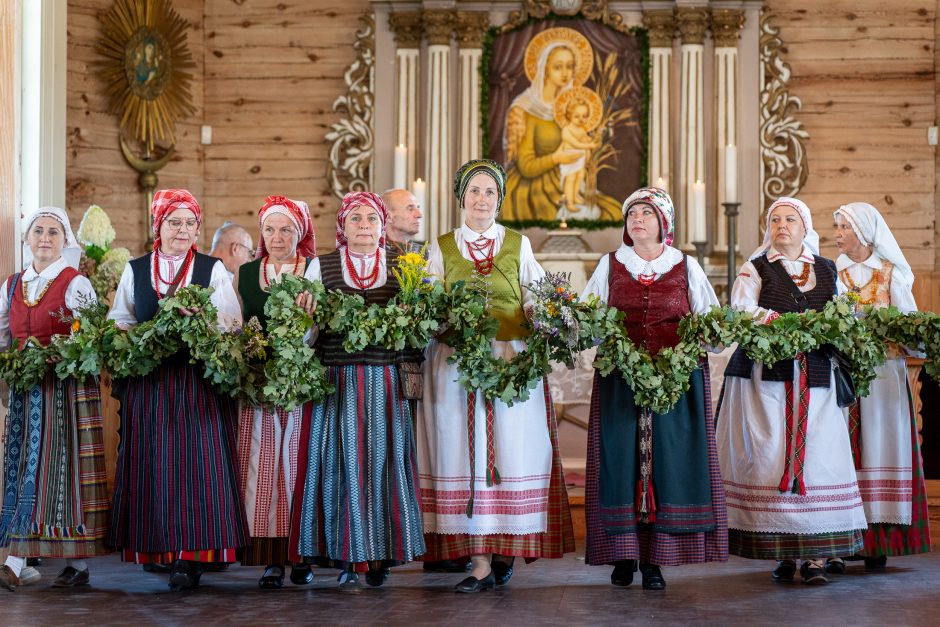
(175,487)
(55,495)
(356,498)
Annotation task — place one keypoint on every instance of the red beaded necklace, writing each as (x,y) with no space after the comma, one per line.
(264,269)
(158,276)
(363,282)
(484,245)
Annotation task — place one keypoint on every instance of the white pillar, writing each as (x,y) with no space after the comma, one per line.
(438,25)
(692,24)
(660,26)
(407,28)
(726,30)
(470,29)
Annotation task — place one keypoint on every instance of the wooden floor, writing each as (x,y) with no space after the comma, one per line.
(558,592)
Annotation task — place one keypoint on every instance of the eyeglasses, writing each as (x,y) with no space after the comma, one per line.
(177,223)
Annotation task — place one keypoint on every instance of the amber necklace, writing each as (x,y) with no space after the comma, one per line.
(802,278)
(42,292)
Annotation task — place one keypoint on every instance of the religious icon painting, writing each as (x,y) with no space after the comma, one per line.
(564,110)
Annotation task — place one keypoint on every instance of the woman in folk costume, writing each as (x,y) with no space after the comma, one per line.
(356,501)
(654,493)
(55,501)
(268,436)
(783,444)
(882,425)
(176,497)
(492,485)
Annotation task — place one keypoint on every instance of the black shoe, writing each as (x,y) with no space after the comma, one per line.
(35,562)
(157,569)
(652,577)
(349,583)
(623,573)
(71,578)
(813,572)
(835,566)
(301,575)
(876,564)
(471,584)
(502,571)
(376,577)
(184,576)
(446,566)
(785,572)
(272,579)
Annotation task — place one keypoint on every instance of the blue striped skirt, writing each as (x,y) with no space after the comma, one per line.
(356,498)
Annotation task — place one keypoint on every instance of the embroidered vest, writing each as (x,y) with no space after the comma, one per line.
(249,289)
(505,293)
(652,311)
(876,292)
(41,321)
(145,297)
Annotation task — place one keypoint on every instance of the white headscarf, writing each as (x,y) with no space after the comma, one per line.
(532,99)
(872,230)
(71,252)
(811,239)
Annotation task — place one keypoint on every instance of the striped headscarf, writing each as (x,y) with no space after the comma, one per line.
(659,200)
(299,215)
(165,202)
(358,199)
(473,167)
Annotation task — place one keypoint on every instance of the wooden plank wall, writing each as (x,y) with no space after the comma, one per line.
(273,70)
(95,170)
(865,71)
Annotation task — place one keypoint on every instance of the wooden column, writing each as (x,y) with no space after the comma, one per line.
(726,31)
(438,25)
(692,23)
(470,29)
(661,27)
(407,28)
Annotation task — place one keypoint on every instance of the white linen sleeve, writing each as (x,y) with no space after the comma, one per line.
(122,311)
(598,284)
(435,261)
(224,297)
(313,273)
(79,292)
(5,315)
(701,293)
(902,295)
(529,271)
(746,292)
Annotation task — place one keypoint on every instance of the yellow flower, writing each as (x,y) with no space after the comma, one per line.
(76,325)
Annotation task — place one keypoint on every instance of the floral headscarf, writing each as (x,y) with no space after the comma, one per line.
(659,200)
(299,215)
(872,230)
(473,167)
(356,199)
(811,239)
(165,202)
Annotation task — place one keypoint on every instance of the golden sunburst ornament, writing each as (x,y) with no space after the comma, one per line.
(144,43)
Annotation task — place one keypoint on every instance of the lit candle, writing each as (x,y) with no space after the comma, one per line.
(661,184)
(398,172)
(698,212)
(731,173)
(418,188)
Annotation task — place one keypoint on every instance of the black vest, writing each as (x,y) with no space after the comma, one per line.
(777,295)
(249,288)
(330,345)
(145,297)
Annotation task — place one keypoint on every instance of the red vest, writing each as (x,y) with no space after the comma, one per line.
(652,311)
(41,321)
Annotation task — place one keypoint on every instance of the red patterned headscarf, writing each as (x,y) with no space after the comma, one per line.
(299,214)
(357,199)
(165,202)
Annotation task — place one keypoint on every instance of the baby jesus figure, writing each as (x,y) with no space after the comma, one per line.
(575,136)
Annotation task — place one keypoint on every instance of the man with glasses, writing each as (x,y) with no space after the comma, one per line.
(232,244)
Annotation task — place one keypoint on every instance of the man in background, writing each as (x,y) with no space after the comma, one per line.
(232,244)
(404,223)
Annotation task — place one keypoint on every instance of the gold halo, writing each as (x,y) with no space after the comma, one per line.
(589,95)
(578,43)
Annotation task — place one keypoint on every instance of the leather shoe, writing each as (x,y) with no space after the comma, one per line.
(71,578)
(652,577)
(813,572)
(301,575)
(272,579)
(35,562)
(502,571)
(784,572)
(835,566)
(375,577)
(349,583)
(184,576)
(471,584)
(446,566)
(623,573)
(876,564)
(157,569)
(7,579)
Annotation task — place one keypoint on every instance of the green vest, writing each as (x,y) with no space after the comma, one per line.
(505,293)
(249,289)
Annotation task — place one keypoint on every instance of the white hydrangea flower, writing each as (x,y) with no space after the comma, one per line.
(96,229)
(108,273)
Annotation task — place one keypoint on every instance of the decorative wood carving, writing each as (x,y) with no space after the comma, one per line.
(692,22)
(408,28)
(660,27)
(596,10)
(726,27)
(470,27)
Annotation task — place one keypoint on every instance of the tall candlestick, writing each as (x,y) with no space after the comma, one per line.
(731,173)
(398,172)
(418,189)
(698,212)
(661,184)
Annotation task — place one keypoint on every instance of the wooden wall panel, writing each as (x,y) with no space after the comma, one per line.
(95,170)
(865,72)
(273,70)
